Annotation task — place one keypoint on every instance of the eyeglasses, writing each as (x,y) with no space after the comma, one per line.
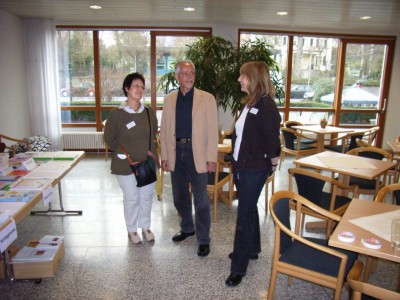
(187,74)
(138,86)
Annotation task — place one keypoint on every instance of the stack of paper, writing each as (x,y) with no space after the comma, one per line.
(31,184)
(30,254)
(16,196)
(50,169)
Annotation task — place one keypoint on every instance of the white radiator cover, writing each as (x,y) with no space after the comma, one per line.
(83,140)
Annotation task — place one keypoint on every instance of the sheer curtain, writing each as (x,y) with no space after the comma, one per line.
(42,79)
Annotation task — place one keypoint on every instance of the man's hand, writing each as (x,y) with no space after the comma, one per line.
(164,165)
(211,166)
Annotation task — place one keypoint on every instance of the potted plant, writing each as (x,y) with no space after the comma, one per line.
(323,122)
(218,62)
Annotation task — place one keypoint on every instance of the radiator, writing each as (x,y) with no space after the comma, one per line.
(83,140)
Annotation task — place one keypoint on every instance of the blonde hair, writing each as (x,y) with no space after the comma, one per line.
(260,82)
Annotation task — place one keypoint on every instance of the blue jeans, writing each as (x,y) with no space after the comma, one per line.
(184,173)
(249,185)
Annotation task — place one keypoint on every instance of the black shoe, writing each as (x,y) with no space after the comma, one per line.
(252,256)
(233,280)
(181,236)
(204,250)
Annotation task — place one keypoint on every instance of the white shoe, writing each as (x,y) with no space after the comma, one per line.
(148,235)
(135,238)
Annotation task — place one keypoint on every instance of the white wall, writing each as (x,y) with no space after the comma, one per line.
(392,124)
(14,111)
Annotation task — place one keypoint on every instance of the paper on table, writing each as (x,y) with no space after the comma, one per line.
(379,224)
(345,162)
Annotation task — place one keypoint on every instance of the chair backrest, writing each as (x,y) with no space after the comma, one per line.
(308,184)
(289,138)
(372,152)
(290,124)
(359,288)
(392,188)
(353,137)
(280,212)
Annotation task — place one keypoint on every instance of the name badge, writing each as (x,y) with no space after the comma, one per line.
(254,110)
(130,124)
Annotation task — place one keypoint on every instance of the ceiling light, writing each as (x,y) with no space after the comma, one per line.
(365,18)
(95,6)
(282,13)
(189,9)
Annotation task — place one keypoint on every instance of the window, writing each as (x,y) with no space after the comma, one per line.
(316,67)
(94,63)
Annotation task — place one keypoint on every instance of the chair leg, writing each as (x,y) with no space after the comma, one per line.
(215,204)
(272,283)
(281,159)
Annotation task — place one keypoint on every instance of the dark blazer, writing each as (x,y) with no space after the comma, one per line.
(260,140)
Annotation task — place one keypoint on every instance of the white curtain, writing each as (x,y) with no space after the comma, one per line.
(42,78)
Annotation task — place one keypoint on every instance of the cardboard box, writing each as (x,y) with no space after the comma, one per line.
(12,250)
(40,269)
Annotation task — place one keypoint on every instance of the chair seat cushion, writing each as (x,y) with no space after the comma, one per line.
(307,141)
(364,184)
(304,146)
(303,256)
(221,176)
(336,148)
(339,202)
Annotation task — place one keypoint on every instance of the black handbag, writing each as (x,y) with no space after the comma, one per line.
(144,171)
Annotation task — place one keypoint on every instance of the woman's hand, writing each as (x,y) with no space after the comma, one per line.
(274,163)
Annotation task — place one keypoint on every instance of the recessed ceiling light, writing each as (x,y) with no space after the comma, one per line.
(365,18)
(95,6)
(282,13)
(189,9)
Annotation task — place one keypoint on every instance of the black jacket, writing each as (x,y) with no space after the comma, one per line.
(260,140)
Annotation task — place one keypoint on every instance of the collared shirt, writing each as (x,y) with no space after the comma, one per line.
(126,107)
(183,117)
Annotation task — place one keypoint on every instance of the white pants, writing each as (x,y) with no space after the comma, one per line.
(137,202)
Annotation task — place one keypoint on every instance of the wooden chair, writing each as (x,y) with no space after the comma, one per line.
(394,189)
(216,181)
(290,123)
(359,288)
(311,186)
(365,186)
(270,180)
(306,258)
(346,143)
(292,144)
(9,143)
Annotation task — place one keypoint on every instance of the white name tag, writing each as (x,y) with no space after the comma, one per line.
(254,110)
(47,194)
(7,235)
(29,164)
(130,125)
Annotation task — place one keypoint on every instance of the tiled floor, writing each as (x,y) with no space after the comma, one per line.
(101,263)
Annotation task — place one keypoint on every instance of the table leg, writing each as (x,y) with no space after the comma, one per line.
(58,212)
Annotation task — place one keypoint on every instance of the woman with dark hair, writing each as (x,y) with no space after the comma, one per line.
(256,149)
(129,126)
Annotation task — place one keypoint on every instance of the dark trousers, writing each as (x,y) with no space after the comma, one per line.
(185,173)
(249,185)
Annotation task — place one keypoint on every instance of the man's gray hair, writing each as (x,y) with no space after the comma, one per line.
(184,61)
